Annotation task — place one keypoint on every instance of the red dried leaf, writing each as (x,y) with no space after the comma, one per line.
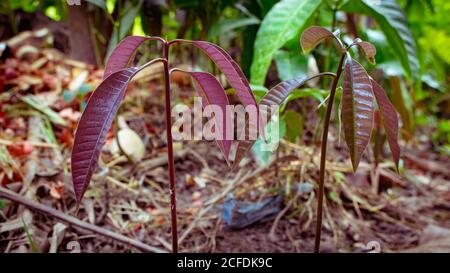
(57,190)
(11,73)
(2,84)
(65,136)
(20,148)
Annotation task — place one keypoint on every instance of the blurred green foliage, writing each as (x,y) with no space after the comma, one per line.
(411,36)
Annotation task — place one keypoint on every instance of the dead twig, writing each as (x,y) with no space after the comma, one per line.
(12,196)
(160,160)
(426,164)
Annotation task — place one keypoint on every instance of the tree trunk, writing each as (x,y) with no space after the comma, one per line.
(81,46)
(153,17)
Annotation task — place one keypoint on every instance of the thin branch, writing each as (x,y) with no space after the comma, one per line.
(43,209)
(323,154)
(173,198)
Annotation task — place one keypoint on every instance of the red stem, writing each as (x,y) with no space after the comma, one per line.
(173,200)
(323,155)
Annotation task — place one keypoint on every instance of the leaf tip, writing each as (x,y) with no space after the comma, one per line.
(306,50)
(396,162)
(78,196)
(355,164)
(77,208)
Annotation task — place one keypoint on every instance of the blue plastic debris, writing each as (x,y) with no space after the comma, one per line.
(240,214)
(305,187)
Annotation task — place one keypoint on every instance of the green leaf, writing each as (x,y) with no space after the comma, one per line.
(294,124)
(52,13)
(99,3)
(283,22)
(224,26)
(266,5)
(403,104)
(394,24)
(258,91)
(391,68)
(318,94)
(291,65)
(2,204)
(126,23)
(39,105)
(262,154)
(357,109)
(27,5)
(33,246)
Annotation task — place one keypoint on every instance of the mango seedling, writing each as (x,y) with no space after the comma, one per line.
(103,105)
(360,92)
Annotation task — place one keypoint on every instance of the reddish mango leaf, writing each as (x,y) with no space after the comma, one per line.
(237,80)
(389,119)
(124,53)
(212,93)
(357,109)
(276,96)
(94,124)
(368,49)
(312,36)
(376,118)
(229,68)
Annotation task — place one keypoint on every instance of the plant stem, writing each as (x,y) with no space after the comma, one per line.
(173,200)
(323,154)
(378,146)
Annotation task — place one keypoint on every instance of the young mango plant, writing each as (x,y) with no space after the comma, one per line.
(360,92)
(104,103)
